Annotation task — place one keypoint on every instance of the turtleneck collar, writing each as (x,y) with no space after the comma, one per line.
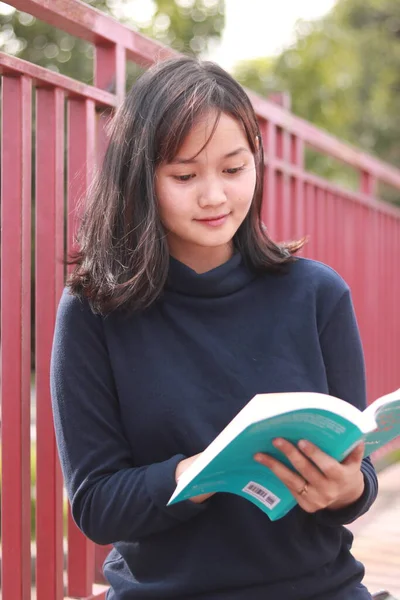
(226,279)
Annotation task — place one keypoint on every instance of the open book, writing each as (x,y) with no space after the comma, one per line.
(335,426)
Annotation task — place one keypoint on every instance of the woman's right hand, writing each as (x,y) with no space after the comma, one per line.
(181,468)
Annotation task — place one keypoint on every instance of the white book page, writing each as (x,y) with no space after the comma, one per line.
(374,407)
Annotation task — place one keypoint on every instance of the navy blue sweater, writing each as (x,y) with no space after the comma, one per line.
(134,395)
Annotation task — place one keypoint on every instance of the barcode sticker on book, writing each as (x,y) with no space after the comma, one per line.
(262,494)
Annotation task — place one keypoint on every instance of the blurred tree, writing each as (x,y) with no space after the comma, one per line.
(343,74)
(186,25)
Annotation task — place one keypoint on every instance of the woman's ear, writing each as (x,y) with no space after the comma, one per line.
(258,142)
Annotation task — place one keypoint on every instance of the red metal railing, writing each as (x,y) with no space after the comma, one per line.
(354,232)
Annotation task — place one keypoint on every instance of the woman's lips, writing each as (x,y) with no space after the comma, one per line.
(214,221)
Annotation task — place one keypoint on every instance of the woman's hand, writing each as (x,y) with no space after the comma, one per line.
(321,481)
(181,468)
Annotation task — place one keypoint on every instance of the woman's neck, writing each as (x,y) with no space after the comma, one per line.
(202,260)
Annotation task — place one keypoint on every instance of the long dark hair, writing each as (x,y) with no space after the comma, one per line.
(122,259)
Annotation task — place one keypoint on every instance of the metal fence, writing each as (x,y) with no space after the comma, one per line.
(354,232)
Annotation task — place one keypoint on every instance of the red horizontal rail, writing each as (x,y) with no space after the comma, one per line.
(376,203)
(41,77)
(325,142)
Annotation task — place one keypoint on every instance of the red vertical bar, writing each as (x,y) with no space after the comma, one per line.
(293,181)
(349,260)
(297,188)
(110,69)
(293,149)
(305,233)
(320,224)
(387,303)
(16,143)
(392,274)
(297,151)
(368,184)
(311,225)
(280,211)
(279,151)
(361,272)
(380,258)
(381,357)
(396,295)
(81,160)
(287,208)
(263,132)
(369,270)
(352,270)
(368,292)
(382,311)
(299,195)
(284,208)
(342,209)
(49,284)
(394,300)
(81,157)
(372,349)
(109,74)
(103,119)
(332,228)
(270,208)
(386,289)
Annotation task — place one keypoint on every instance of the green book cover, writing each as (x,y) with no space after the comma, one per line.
(335,426)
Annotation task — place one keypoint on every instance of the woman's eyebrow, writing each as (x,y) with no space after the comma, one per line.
(188,161)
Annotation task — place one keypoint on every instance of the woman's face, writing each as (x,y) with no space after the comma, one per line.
(203,200)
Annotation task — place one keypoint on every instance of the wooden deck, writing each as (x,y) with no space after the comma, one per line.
(377,536)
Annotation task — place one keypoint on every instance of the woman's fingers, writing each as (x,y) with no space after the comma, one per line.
(292,480)
(356,456)
(301,462)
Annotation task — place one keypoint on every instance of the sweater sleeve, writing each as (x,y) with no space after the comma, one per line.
(112,499)
(344,364)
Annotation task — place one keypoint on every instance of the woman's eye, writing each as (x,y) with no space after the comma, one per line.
(234,170)
(183,177)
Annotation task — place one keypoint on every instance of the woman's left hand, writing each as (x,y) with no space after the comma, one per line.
(320,481)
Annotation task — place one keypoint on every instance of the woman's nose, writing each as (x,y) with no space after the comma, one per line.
(212,194)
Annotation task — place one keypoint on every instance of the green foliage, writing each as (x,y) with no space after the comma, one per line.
(42,44)
(343,74)
(257,74)
(187,25)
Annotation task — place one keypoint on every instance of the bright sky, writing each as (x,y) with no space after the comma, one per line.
(262,27)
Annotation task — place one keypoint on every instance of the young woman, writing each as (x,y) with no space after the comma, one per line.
(179,310)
